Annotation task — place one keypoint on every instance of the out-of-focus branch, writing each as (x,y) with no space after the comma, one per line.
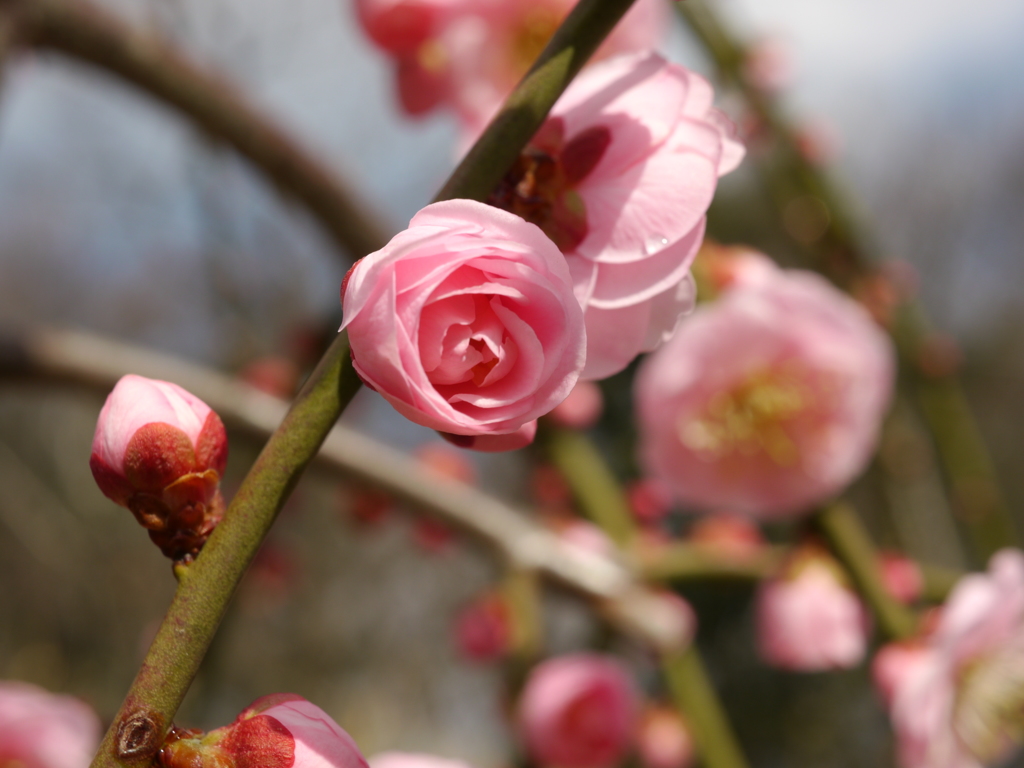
(77,358)
(90,34)
(688,562)
(600,498)
(846,536)
(844,254)
(592,483)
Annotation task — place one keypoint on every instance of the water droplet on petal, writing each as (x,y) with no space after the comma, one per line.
(654,243)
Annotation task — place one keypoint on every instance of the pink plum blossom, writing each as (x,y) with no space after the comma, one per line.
(956,700)
(468,55)
(767,401)
(45,730)
(277,731)
(578,711)
(581,409)
(663,740)
(483,628)
(413,760)
(808,620)
(466,323)
(161,451)
(620,177)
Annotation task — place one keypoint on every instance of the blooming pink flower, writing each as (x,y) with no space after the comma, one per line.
(808,620)
(277,731)
(581,409)
(767,401)
(45,730)
(413,760)
(483,629)
(663,740)
(957,703)
(466,322)
(469,54)
(620,178)
(578,711)
(161,451)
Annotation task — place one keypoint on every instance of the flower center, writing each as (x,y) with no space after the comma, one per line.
(541,185)
(750,418)
(988,716)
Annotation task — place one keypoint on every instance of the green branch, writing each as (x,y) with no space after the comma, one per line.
(206,586)
(846,535)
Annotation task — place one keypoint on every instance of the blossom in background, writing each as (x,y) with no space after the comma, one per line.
(483,628)
(277,731)
(581,409)
(468,55)
(161,452)
(808,619)
(466,323)
(767,401)
(39,729)
(578,711)
(413,760)
(956,697)
(663,739)
(620,177)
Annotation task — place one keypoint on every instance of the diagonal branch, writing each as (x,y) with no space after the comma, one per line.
(72,357)
(90,34)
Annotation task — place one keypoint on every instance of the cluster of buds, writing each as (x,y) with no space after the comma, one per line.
(160,451)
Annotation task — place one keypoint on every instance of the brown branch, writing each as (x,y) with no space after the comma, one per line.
(83,359)
(92,35)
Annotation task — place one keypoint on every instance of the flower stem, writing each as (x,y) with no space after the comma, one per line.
(848,539)
(206,586)
(695,696)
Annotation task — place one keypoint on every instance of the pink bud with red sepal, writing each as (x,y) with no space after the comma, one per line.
(160,451)
(277,731)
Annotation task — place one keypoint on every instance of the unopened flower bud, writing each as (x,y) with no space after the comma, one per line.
(663,740)
(277,731)
(160,451)
(578,711)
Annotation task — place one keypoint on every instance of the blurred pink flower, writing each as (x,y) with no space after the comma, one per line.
(578,711)
(466,322)
(727,535)
(663,740)
(767,401)
(161,451)
(277,731)
(483,629)
(808,620)
(901,576)
(468,55)
(39,729)
(413,760)
(581,409)
(620,177)
(650,500)
(894,663)
(957,702)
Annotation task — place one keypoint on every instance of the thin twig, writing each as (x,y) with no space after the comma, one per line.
(91,34)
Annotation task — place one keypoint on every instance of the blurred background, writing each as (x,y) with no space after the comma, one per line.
(116,216)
